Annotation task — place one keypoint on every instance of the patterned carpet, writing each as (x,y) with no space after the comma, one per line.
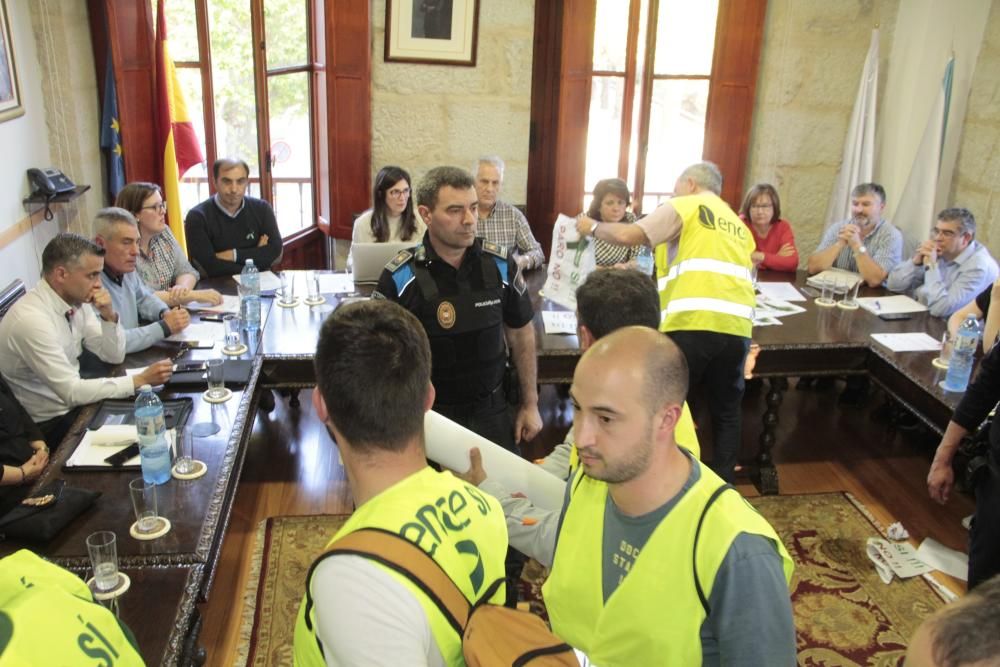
(844,614)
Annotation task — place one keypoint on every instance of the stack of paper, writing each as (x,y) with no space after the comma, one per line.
(230,304)
(898,303)
(768,310)
(105,441)
(833,276)
(268,281)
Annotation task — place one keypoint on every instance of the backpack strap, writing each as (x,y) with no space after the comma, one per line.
(406,558)
(694,552)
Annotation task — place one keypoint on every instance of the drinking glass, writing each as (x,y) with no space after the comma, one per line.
(312,284)
(287,287)
(144,503)
(216,378)
(184,463)
(234,331)
(826,293)
(103,549)
(850,298)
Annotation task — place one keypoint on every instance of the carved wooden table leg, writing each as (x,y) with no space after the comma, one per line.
(766,478)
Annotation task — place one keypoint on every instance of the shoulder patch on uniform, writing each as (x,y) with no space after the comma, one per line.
(494,249)
(399,261)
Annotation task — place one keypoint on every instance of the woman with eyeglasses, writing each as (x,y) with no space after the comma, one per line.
(161,264)
(761,212)
(391,217)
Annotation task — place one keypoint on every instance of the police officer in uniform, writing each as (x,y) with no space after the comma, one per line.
(470,296)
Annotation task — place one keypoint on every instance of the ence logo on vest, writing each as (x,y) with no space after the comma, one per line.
(446,315)
(433,521)
(708,220)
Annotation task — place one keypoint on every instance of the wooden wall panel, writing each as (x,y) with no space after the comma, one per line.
(734,85)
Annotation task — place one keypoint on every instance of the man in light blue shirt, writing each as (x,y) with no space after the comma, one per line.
(865,244)
(948,270)
(116,231)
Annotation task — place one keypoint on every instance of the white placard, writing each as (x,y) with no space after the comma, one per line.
(448,444)
(908,342)
(780,291)
(268,281)
(336,283)
(559,321)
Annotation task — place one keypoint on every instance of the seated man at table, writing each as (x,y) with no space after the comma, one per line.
(658,560)
(44,332)
(866,243)
(949,269)
(605,302)
(116,230)
(500,222)
(229,228)
(356,611)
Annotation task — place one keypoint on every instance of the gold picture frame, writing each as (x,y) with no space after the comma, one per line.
(437,32)
(10,88)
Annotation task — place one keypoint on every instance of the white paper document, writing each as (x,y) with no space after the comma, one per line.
(268,281)
(908,342)
(95,446)
(768,307)
(940,557)
(559,321)
(448,444)
(895,558)
(834,276)
(230,304)
(765,321)
(780,291)
(200,331)
(898,303)
(336,283)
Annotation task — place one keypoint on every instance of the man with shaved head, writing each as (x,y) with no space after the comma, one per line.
(711,576)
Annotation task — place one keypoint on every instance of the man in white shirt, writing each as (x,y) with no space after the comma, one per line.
(116,230)
(44,333)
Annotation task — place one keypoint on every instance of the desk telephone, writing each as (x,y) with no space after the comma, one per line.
(49,181)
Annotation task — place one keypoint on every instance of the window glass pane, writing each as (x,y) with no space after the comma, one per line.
(285,29)
(182,29)
(232,82)
(604,130)
(676,133)
(291,150)
(194,183)
(610,35)
(685,37)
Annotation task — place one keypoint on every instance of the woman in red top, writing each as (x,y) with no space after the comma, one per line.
(761,212)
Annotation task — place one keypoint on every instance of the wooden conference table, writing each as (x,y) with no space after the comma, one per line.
(171,574)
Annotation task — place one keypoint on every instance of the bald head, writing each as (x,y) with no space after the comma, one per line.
(648,356)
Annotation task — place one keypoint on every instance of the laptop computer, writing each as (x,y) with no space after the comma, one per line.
(368,259)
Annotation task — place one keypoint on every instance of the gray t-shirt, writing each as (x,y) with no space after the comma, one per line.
(751,621)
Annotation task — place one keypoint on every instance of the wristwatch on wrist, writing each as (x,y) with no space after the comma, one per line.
(593,230)
(862,250)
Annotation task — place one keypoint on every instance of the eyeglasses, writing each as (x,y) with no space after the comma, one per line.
(405,192)
(160,207)
(947,233)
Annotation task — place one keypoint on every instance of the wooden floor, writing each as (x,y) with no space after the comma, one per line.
(292,468)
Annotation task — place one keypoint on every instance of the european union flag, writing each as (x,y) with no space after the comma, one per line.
(111,138)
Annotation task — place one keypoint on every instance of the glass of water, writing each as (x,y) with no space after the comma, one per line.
(234,331)
(312,284)
(103,549)
(144,504)
(287,287)
(184,463)
(216,378)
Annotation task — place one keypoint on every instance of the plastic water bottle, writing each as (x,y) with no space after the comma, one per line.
(154,452)
(962,353)
(250,296)
(644,260)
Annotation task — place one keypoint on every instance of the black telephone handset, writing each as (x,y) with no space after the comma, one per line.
(49,181)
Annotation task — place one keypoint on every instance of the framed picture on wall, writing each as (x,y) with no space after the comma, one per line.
(10,91)
(441,32)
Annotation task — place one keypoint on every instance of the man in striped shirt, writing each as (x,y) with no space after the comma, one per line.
(501,223)
(865,244)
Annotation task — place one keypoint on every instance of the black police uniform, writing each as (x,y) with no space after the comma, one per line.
(463,312)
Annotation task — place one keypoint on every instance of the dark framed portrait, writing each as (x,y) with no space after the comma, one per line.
(10,89)
(442,32)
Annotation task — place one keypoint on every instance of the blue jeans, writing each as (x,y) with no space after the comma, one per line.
(715,364)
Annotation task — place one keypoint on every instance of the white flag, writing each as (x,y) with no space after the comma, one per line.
(859,149)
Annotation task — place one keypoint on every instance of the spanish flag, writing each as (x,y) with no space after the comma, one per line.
(175,136)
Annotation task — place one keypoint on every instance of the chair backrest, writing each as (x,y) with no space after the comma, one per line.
(10,294)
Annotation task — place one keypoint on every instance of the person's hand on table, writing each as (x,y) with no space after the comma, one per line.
(155,374)
(177,319)
(178,294)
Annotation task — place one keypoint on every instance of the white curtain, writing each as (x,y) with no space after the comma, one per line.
(859,148)
(918,202)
